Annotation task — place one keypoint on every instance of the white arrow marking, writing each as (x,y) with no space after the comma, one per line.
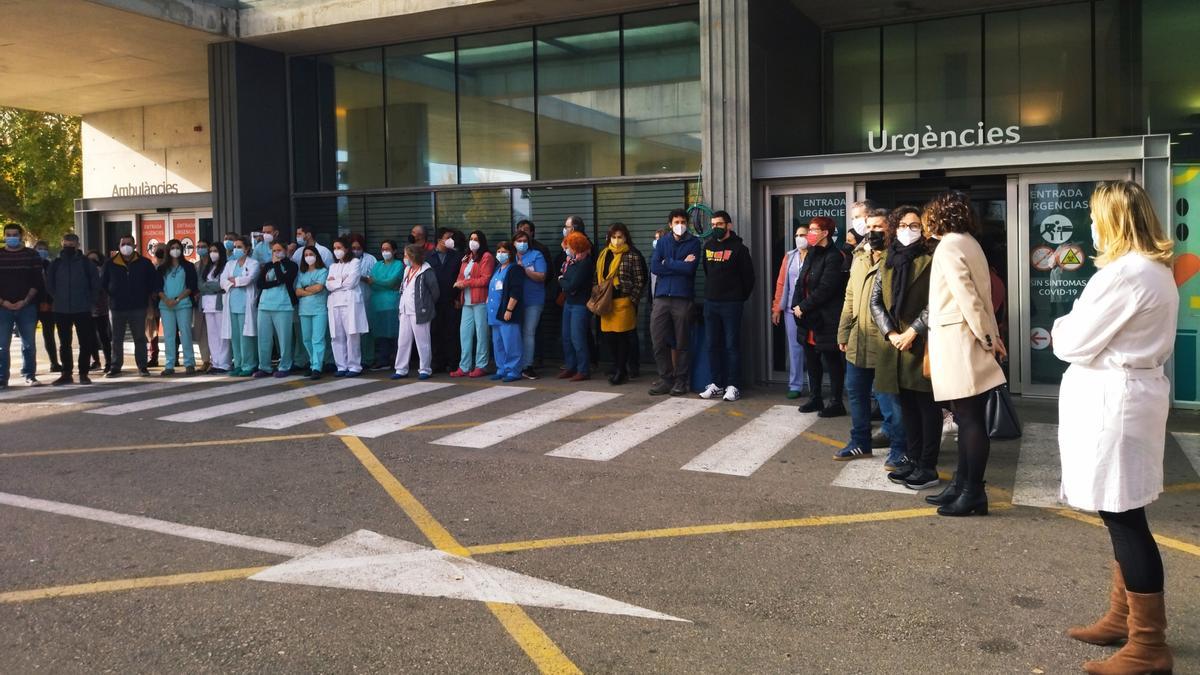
(367,561)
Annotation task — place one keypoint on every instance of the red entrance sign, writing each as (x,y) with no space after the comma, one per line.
(153,231)
(184,229)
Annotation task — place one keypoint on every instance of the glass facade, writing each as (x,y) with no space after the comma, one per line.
(595,98)
(1068,70)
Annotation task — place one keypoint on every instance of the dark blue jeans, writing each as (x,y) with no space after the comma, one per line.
(859,383)
(25,319)
(723,330)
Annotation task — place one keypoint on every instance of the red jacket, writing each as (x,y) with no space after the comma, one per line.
(481,273)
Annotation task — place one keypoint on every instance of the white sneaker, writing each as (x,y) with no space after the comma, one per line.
(949,429)
(732,393)
(711,391)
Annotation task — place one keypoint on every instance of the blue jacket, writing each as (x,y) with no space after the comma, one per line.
(676,278)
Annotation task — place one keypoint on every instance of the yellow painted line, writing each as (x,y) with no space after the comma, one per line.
(532,640)
(1169,542)
(1182,487)
(128,584)
(160,446)
(823,439)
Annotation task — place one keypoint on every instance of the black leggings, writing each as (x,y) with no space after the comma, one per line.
(1135,550)
(816,361)
(621,344)
(974,446)
(922,427)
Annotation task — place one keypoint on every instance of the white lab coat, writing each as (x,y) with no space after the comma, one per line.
(245,276)
(345,291)
(1114,398)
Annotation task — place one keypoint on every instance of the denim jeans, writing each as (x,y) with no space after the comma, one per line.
(25,319)
(575,322)
(893,425)
(723,330)
(859,387)
(529,330)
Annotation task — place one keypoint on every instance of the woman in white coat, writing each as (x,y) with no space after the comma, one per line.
(239,309)
(1113,408)
(785,285)
(347,311)
(964,343)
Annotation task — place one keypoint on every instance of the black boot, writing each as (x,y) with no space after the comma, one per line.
(815,405)
(972,500)
(953,488)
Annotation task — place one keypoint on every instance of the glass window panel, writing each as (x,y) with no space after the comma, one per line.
(662,91)
(306,131)
(1002,40)
(421,114)
(1116,49)
(900,78)
(1056,72)
(1169,74)
(393,217)
(852,89)
(353,84)
(470,210)
(579,99)
(495,80)
(949,73)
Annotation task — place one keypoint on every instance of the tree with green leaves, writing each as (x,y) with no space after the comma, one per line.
(41,171)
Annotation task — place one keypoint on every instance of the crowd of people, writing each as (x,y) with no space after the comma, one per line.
(899,316)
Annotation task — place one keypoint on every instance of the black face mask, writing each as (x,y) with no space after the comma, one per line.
(875,239)
(69,251)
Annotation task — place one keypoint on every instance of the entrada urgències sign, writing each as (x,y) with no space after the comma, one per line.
(913,144)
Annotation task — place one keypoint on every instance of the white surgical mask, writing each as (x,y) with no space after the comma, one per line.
(126,250)
(473,245)
(387,255)
(175,252)
(566,231)
(801,242)
(1095,236)
(268,237)
(679,230)
(214,256)
(859,225)
(310,260)
(277,255)
(907,236)
(449,243)
(339,253)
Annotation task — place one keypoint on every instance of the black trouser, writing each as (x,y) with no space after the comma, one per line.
(82,322)
(48,327)
(103,342)
(1135,550)
(922,427)
(447,349)
(621,345)
(974,446)
(816,361)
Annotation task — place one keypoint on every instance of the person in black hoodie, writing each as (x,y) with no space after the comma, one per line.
(817,307)
(73,284)
(730,273)
(445,259)
(130,281)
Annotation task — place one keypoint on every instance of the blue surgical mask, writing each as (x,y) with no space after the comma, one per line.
(236,253)
(229,246)
(522,246)
(301,240)
(12,242)
(43,253)
(502,257)
(201,251)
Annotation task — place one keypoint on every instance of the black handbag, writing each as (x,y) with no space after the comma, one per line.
(1001,415)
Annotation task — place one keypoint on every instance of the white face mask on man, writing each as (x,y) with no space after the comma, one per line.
(859,225)
(679,229)
(907,236)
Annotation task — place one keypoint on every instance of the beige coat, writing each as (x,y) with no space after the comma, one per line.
(962,322)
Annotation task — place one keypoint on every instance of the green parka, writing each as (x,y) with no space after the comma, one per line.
(856,330)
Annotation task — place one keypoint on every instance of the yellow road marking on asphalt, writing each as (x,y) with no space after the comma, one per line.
(1169,542)
(128,584)
(1182,487)
(823,439)
(160,446)
(534,641)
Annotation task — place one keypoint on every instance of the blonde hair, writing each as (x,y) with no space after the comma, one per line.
(1126,223)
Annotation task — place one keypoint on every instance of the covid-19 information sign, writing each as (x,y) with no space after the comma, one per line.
(1060,260)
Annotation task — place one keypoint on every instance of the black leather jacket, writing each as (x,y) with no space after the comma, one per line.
(885,320)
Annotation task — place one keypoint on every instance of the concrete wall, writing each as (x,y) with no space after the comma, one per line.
(140,151)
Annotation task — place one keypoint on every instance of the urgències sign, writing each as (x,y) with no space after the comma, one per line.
(912,144)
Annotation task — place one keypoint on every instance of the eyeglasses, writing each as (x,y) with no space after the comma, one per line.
(910,226)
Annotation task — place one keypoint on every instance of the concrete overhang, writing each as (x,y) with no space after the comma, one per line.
(77,57)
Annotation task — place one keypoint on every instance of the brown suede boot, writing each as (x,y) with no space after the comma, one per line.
(1113,626)
(1147,650)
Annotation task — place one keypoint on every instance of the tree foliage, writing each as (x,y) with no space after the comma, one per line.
(40,171)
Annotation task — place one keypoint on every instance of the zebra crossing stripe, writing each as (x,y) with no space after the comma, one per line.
(868,474)
(201,414)
(742,452)
(133,390)
(1190,444)
(162,402)
(491,433)
(412,418)
(291,419)
(611,441)
(1039,468)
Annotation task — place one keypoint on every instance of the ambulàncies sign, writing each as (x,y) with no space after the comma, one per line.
(912,144)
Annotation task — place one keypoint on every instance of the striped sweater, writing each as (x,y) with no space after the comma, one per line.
(20,270)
